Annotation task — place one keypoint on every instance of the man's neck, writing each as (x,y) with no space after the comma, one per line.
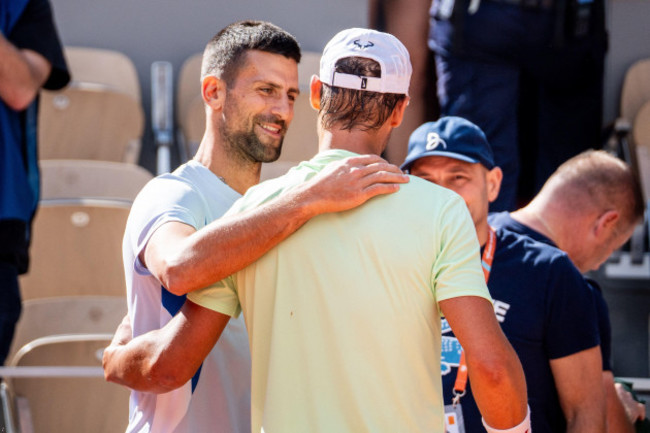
(482,230)
(231,169)
(542,222)
(361,142)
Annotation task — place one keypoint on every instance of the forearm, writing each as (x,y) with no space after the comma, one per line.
(496,375)
(164,359)
(617,419)
(587,420)
(130,364)
(231,243)
(22,73)
(504,379)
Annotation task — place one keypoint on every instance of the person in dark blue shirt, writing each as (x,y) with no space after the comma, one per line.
(32,58)
(541,300)
(529,73)
(588,227)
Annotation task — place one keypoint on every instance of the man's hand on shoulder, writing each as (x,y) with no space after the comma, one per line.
(351,182)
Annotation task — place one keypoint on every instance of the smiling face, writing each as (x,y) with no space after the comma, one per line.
(259,106)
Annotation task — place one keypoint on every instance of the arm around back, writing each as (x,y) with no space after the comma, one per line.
(497,378)
(184,259)
(163,359)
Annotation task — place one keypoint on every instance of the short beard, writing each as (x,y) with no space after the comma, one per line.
(247,145)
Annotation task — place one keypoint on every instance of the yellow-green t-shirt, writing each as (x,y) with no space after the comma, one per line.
(343,320)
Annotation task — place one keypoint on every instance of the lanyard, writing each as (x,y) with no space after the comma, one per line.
(486,263)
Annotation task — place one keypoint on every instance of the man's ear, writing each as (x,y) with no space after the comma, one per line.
(398,113)
(606,222)
(213,91)
(315,89)
(493,178)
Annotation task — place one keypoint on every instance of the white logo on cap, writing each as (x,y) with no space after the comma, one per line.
(363,45)
(434,140)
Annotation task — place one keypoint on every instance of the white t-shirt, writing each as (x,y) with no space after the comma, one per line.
(343,315)
(217,399)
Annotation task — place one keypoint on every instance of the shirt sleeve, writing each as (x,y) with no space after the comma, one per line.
(220,297)
(571,317)
(604,325)
(35,30)
(457,269)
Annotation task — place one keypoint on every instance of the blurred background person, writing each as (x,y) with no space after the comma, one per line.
(31,58)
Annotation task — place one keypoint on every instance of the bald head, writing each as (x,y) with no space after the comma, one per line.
(595,181)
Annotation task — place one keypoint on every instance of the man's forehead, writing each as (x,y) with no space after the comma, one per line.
(262,63)
(444,162)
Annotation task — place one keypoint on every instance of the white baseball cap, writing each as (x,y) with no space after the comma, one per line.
(384,48)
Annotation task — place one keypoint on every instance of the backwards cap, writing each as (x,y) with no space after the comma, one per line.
(383,48)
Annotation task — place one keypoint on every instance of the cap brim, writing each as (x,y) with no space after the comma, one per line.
(409,161)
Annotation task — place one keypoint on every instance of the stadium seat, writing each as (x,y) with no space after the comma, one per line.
(76,178)
(636,89)
(57,385)
(641,137)
(67,315)
(190,114)
(76,249)
(90,121)
(111,68)
(623,142)
(99,115)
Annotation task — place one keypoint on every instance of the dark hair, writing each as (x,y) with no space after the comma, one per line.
(359,109)
(224,53)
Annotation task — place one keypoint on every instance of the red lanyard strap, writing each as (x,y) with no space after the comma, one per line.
(486,262)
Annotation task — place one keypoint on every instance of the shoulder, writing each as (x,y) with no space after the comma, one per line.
(545,260)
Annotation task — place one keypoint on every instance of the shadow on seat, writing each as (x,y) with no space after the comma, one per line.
(76,249)
(87,121)
(58,386)
(76,178)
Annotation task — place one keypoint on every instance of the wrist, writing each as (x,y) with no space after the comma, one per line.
(523,427)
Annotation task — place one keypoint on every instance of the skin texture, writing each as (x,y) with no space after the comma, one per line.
(578,377)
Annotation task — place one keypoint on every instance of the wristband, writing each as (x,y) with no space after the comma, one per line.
(523,427)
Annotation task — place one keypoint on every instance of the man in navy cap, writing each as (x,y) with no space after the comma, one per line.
(541,300)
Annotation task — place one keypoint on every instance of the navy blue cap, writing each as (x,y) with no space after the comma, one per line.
(453,137)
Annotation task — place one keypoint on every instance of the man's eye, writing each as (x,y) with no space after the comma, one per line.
(292,98)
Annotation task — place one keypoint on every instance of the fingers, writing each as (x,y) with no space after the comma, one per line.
(382,172)
(376,189)
(372,168)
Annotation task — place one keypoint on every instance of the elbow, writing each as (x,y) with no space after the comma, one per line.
(176,282)
(493,374)
(20,99)
(502,371)
(177,277)
(108,364)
